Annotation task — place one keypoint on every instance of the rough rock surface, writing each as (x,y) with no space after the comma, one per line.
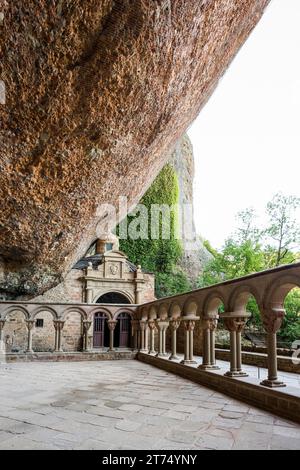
(195,255)
(97,93)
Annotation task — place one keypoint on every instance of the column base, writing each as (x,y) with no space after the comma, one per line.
(174,358)
(162,355)
(272,383)
(152,353)
(144,351)
(208,367)
(188,361)
(29,351)
(236,374)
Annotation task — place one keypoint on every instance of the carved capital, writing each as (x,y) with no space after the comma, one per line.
(189,325)
(112,324)
(58,324)
(174,324)
(209,324)
(235,324)
(86,325)
(152,325)
(143,325)
(272,319)
(30,324)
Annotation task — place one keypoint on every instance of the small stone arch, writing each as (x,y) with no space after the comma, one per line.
(125,294)
(43,308)
(100,309)
(163,311)
(143,313)
(175,310)
(152,313)
(240,296)
(79,310)
(13,309)
(190,307)
(212,304)
(278,289)
(124,310)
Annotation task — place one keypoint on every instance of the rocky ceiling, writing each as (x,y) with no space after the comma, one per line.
(97,93)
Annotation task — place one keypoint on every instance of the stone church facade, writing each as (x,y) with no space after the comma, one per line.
(103,276)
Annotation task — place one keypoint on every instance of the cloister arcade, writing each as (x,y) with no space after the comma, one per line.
(161,328)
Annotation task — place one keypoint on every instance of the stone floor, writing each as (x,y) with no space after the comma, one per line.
(126,405)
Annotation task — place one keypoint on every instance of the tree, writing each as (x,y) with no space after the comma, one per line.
(283,229)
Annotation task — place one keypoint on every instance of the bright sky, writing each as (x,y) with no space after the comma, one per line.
(247,138)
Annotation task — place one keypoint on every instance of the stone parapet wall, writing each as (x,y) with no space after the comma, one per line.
(261,360)
(282,402)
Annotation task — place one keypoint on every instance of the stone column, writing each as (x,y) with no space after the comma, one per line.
(162,326)
(134,331)
(235,322)
(86,326)
(189,325)
(209,326)
(174,325)
(2,344)
(143,326)
(152,328)
(146,333)
(58,325)
(30,325)
(111,325)
(272,320)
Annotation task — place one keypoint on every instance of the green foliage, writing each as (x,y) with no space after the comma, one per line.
(160,253)
(283,229)
(252,250)
(171,283)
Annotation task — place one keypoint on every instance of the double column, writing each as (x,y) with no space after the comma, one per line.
(234,323)
(58,325)
(86,324)
(209,326)
(30,326)
(135,333)
(111,325)
(174,325)
(162,326)
(272,320)
(144,336)
(152,328)
(189,326)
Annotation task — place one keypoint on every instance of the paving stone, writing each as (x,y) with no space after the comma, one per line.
(128,405)
(129,426)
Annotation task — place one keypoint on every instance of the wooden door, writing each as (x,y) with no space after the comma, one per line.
(124,320)
(99,325)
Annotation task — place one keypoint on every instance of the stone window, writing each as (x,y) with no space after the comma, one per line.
(39,323)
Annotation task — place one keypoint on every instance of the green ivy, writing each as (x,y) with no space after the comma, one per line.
(159,256)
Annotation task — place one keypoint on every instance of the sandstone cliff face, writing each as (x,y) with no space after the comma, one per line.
(97,93)
(195,255)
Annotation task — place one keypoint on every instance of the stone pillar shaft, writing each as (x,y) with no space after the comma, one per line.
(111,325)
(162,326)
(272,320)
(30,325)
(174,325)
(235,323)
(189,325)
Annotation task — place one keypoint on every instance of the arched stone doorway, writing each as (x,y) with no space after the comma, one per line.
(101,331)
(113,298)
(122,337)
